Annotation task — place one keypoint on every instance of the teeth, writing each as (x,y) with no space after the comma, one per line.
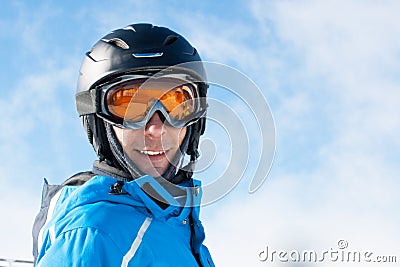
(151,153)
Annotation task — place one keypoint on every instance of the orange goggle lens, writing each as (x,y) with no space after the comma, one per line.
(132,100)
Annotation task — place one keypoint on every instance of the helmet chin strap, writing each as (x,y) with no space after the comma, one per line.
(118,153)
(130,167)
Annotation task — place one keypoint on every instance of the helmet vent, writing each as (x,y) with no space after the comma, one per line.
(129,28)
(117,42)
(170,39)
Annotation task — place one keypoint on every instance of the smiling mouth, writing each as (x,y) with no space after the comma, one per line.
(152,153)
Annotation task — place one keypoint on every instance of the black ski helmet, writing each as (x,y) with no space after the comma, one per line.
(135,48)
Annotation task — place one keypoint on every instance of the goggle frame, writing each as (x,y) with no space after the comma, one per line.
(104,113)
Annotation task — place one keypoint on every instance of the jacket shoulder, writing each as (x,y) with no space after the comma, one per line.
(79,178)
(48,193)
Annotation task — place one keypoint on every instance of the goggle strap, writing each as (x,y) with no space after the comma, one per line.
(86,102)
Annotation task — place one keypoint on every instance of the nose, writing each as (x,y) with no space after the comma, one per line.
(155,127)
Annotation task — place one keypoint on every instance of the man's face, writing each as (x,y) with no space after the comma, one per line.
(153,147)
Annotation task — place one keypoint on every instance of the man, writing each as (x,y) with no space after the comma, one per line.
(141,95)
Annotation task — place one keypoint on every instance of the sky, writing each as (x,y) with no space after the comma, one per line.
(329,71)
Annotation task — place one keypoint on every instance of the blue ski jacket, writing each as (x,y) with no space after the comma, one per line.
(87,225)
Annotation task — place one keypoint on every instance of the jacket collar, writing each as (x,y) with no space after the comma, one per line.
(160,191)
(104,169)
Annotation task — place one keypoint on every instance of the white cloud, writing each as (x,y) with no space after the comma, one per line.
(348,53)
(306,212)
(36,106)
(34,126)
(342,52)
(18,210)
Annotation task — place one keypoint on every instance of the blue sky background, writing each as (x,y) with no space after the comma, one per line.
(330,72)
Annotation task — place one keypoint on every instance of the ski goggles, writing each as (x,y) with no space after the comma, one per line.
(132,101)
